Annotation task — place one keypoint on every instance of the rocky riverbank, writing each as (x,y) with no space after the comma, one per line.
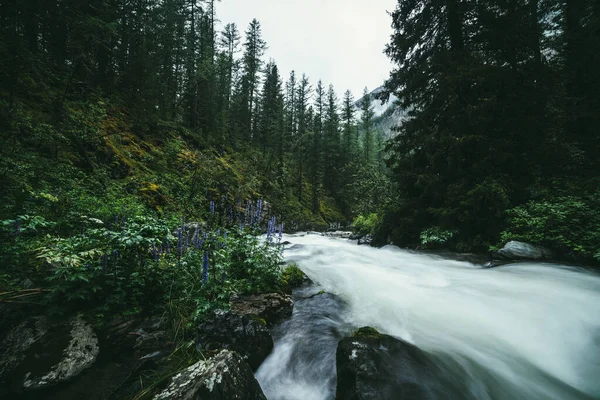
(62,358)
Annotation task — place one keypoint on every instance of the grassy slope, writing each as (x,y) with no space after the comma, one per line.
(97,158)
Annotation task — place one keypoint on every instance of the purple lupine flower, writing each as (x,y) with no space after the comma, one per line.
(196,235)
(259,206)
(212,207)
(104,262)
(153,252)
(270,229)
(249,216)
(116,256)
(179,241)
(205,269)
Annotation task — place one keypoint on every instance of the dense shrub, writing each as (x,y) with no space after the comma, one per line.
(366,224)
(435,237)
(141,262)
(569,225)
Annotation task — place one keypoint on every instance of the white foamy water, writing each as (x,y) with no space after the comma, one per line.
(523,331)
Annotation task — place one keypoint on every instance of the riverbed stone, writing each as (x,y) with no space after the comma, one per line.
(515,250)
(365,240)
(37,353)
(270,307)
(339,234)
(247,335)
(374,366)
(225,376)
(356,236)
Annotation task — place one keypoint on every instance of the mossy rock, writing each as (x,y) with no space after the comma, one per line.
(366,332)
(293,277)
(256,318)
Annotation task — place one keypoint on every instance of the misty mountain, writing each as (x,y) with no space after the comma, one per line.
(388,114)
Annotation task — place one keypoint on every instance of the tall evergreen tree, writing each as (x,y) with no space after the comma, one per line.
(331,144)
(350,144)
(316,151)
(303,96)
(366,121)
(254,49)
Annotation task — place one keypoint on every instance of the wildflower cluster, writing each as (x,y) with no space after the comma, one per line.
(140,261)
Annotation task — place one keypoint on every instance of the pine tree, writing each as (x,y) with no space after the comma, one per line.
(304,121)
(254,49)
(331,144)
(316,152)
(349,133)
(366,121)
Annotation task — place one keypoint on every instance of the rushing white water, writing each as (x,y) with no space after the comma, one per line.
(523,331)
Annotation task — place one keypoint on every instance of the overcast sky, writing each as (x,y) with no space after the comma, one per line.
(339,41)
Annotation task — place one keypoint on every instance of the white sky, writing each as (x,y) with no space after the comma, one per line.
(338,41)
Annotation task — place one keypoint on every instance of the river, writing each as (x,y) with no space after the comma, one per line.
(522,331)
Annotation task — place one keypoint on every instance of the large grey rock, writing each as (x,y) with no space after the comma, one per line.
(339,234)
(270,307)
(245,335)
(225,376)
(17,342)
(373,366)
(37,354)
(365,240)
(524,251)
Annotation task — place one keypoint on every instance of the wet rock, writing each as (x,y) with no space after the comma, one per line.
(18,341)
(293,278)
(151,342)
(339,234)
(138,338)
(37,354)
(247,335)
(270,307)
(356,236)
(365,240)
(524,251)
(473,258)
(225,376)
(374,366)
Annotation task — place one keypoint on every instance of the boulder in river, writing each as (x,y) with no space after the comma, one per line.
(225,376)
(368,239)
(37,354)
(373,366)
(339,234)
(524,251)
(270,307)
(247,335)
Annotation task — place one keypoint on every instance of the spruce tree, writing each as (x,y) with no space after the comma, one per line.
(366,121)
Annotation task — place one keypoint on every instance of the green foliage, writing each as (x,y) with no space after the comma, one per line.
(435,237)
(366,225)
(569,225)
(250,262)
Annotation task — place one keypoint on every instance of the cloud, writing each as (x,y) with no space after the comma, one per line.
(338,41)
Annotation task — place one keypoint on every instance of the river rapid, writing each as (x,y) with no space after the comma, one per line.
(522,331)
